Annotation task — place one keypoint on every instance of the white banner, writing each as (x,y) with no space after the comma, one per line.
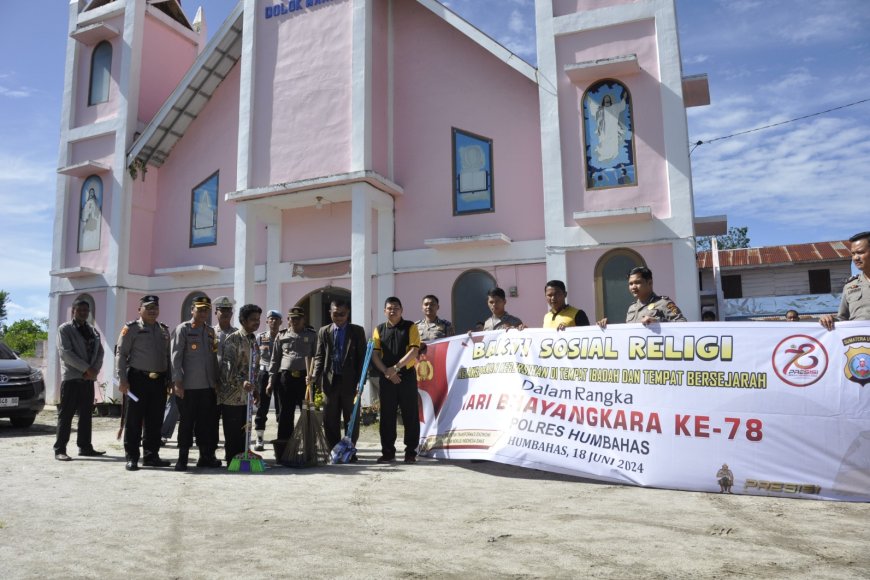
(780,409)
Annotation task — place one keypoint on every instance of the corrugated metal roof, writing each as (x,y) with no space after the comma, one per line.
(770,255)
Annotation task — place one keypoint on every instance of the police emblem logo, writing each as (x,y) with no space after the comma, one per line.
(858,364)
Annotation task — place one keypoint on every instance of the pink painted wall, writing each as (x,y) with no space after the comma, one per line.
(302,97)
(529,279)
(562,7)
(309,233)
(442,80)
(144,214)
(210,144)
(100,149)
(581,275)
(82,113)
(645,88)
(166,56)
(380,89)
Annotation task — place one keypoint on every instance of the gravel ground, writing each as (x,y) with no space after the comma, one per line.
(92,519)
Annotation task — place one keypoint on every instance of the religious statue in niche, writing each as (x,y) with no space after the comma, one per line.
(203,213)
(472,173)
(608,128)
(90,214)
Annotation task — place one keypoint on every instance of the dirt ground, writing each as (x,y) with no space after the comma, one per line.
(92,519)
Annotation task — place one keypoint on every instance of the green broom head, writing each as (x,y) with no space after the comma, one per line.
(247,462)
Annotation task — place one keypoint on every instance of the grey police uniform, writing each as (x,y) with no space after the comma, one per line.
(142,360)
(288,362)
(855,304)
(440,328)
(194,364)
(506,321)
(264,343)
(660,308)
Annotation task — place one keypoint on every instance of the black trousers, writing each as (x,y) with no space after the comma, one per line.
(235,417)
(265,401)
(145,415)
(290,392)
(76,396)
(198,411)
(339,395)
(401,397)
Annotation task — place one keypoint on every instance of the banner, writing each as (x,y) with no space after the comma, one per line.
(778,409)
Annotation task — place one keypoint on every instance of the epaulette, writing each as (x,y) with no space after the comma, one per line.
(163,326)
(131,323)
(852,278)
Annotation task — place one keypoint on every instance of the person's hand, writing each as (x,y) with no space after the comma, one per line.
(123,388)
(561,326)
(269,388)
(602,323)
(248,385)
(647,320)
(90,374)
(179,390)
(827,321)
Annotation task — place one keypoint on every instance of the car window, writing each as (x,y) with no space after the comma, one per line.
(6,352)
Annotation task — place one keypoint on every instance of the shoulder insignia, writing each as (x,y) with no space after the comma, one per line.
(131,323)
(852,278)
(673,308)
(163,326)
(124,330)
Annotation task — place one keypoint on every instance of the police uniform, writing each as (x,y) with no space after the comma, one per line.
(142,360)
(288,369)
(194,364)
(567,316)
(265,341)
(660,308)
(504,322)
(439,328)
(855,303)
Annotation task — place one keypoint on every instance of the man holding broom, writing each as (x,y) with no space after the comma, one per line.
(239,362)
(341,351)
(288,372)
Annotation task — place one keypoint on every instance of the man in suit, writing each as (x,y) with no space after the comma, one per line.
(338,360)
(81,355)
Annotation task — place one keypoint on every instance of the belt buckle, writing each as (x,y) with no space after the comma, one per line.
(295,374)
(153,376)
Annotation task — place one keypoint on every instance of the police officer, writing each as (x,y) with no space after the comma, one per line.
(265,340)
(142,360)
(855,303)
(194,346)
(430,326)
(291,356)
(649,306)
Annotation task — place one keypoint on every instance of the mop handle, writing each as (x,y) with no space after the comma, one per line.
(359,389)
(252,366)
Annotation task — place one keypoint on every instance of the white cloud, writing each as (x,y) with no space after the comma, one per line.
(516,23)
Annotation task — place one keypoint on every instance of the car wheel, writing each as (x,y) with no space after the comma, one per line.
(23,422)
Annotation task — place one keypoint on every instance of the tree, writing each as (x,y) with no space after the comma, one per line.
(735,238)
(4,299)
(22,336)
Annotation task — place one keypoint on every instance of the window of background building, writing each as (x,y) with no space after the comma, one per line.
(820,281)
(732,286)
(101,73)
(612,297)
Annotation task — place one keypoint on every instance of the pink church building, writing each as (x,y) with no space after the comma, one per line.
(315,149)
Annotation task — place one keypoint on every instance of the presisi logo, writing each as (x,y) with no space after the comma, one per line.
(800,360)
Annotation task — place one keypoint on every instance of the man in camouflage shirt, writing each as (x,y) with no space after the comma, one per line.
(238,369)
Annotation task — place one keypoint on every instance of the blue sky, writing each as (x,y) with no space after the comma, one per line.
(768,61)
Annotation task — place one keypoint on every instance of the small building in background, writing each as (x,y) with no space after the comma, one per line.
(763,283)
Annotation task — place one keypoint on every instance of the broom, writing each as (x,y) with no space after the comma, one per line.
(248,461)
(344,450)
(307,447)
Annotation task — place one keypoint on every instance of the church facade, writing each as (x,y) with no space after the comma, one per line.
(359,149)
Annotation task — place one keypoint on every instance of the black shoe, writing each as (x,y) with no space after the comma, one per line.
(156,462)
(90,452)
(181,465)
(354,458)
(62,456)
(386,458)
(410,458)
(132,465)
(208,462)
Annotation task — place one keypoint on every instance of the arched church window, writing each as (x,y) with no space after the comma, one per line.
(101,73)
(469,299)
(612,297)
(608,135)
